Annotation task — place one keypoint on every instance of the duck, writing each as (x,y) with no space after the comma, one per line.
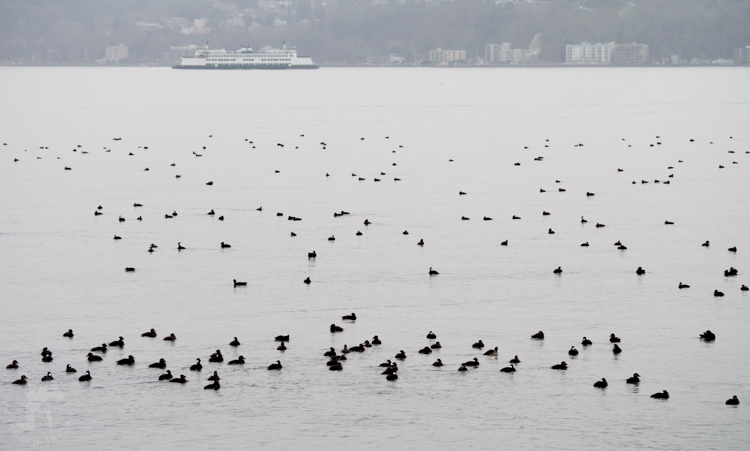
(367,222)
(682,286)
(622,247)
(464,218)
(421,242)
(718,294)
(478,345)
(234,342)
(197,366)
(504,243)
(586,244)
(601,384)
(392,377)
(425,350)
(732,271)
(86,377)
(166,376)
(663,395)
(21,381)
(463,368)
(376,340)
(732,249)
(121,219)
(281,338)
(48,377)
(357,234)
(588,194)
(333,238)
(406,232)
(508,369)
(70,369)
(129,361)
(171,337)
(668,223)
(96,213)
(45,352)
(47,358)
(386,364)
(181,380)
(351,317)
(161,364)
(239,284)
(573,351)
(391,369)
(334,328)
(634,380)
(13,365)
(336,367)
(93,358)
(516,217)
(437,363)
(150,334)
(275,366)
(129,269)
(545,213)
(180,246)
(558,270)
(401,355)
(216,357)
(640,271)
(239,361)
(744,288)
(433,272)
(583,221)
(225,245)
(281,347)
(550,232)
(708,336)
(221,218)
(616,349)
(560,366)
(431,336)
(213,386)
(586,342)
(613,338)
(542,190)
(539,335)
(733,401)
(515,359)
(474,362)
(312,254)
(706,244)
(214,377)
(119,343)
(492,352)
(117,237)
(436,345)
(600,225)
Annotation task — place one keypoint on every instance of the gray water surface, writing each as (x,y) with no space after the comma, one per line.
(60,267)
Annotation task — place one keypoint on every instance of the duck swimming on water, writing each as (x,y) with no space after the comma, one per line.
(86,377)
(634,380)
(234,342)
(663,395)
(573,351)
(433,272)
(13,365)
(150,334)
(196,366)
(586,342)
(682,285)
(508,369)
(166,376)
(438,363)
(538,336)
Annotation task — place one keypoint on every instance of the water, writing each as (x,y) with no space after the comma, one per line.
(61,269)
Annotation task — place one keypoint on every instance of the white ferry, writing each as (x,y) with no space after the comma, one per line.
(246,58)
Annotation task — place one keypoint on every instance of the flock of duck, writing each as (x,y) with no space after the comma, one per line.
(337,358)
(335,362)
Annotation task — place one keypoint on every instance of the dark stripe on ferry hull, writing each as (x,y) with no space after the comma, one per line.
(244,67)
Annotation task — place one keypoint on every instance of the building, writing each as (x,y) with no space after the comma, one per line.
(587,53)
(742,55)
(441,56)
(172,57)
(503,54)
(631,54)
(146,26)
(114,54)
(390,60)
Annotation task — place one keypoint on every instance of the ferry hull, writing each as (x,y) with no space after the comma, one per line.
(244,67)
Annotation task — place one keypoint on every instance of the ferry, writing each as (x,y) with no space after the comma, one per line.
(245,58)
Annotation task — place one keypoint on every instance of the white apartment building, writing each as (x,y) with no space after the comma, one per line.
(114,54)
(447,56)
(503,54)
(587,53)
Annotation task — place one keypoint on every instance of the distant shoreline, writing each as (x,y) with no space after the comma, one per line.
(507,66)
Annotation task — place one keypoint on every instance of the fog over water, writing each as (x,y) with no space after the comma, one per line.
(61,268)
